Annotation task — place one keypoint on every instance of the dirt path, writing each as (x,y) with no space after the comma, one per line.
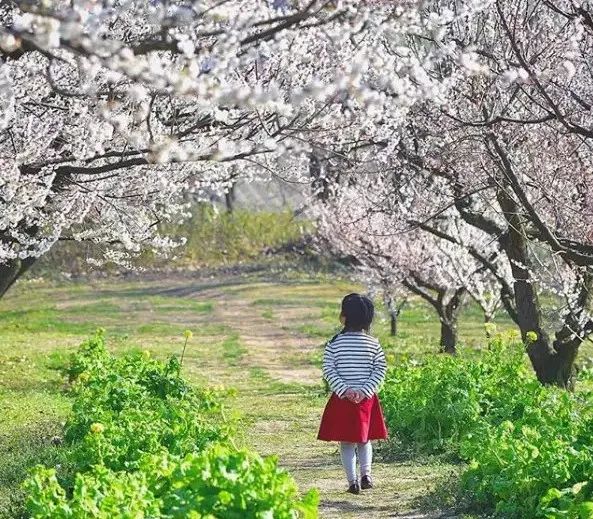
(284,356)
(279,395)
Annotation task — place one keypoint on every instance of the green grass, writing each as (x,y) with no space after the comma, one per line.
(232,350)
(21,449)
(40,320)
(30,419)
(221,238)
(318,330)
(268,314)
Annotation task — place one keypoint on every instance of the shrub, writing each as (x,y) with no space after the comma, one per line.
(214,238)
(218,482)
(573,502)
(143,406)
(227,483)
(100,493)
(220,238)
(518,466)
(432,405)
(144,443)
(527,446)
(90,357)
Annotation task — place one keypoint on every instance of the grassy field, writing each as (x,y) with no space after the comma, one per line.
(260,338)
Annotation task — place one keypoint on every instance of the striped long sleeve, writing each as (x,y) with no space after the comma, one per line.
(330,372)
(354,360)
(377,374)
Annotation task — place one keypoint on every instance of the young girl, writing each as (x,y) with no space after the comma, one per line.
(354,367)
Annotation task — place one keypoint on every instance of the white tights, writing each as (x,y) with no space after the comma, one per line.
(365,457)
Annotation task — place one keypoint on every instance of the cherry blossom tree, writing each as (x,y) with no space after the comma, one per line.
(110,111)
(507,147)
(512,146)
(393,293)
(392,251)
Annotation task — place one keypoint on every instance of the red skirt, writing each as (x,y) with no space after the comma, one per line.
(346,421)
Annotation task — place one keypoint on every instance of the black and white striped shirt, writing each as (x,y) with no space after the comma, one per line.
(354,360)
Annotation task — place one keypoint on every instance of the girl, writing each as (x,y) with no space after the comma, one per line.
(354,367)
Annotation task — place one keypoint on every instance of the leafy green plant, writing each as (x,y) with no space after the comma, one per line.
(100,493)
(91,356)
(218,482)
(227,483)
(515,464)
(526,445)
(573,502)
(143,406)
(433,404)
(142,442)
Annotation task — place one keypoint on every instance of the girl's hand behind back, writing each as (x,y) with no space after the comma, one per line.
(350,394)
(354,396)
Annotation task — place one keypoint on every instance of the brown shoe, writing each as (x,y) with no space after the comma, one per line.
(366,482)
(354,488)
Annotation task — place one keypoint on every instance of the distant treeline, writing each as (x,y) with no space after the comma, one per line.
(215,238)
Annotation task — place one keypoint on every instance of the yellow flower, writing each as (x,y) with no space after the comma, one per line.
(146,354)
(83,377)
(490,328)
(530,337)
(97,428)
(188,334)
(513,334)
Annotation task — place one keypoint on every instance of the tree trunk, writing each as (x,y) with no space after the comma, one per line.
(323,177)
(229,198)
(11,271)
(394,312)
(448,309)
(449,315)
(559,369)
(449,337)
(393,325)
(448,306)
(319,182)
(553,363)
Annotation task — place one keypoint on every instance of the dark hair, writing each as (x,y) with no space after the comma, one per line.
(358,312)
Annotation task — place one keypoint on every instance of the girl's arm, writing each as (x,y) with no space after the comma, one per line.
(376,377)
(330,373)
